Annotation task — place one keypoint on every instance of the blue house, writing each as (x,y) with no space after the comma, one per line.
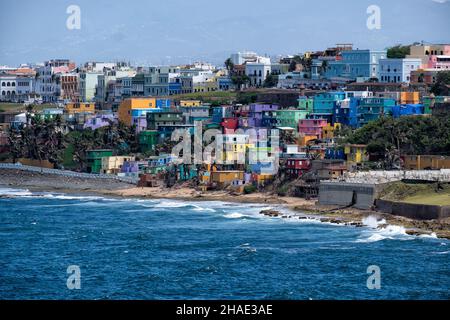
(356,64)
(325,104)
(346,112)
(405,110)
(371,109)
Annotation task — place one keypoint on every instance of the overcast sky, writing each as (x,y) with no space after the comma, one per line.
(179,31)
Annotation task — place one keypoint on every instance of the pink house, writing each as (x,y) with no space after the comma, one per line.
(439,62)
(311,127)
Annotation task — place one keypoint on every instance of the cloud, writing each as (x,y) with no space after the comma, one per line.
(440,1)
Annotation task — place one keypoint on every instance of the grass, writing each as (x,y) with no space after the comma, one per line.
(420,193)
(438,199)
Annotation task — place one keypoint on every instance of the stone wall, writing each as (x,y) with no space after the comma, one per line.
(413,211)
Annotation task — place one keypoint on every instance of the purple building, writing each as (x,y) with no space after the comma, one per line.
(99,121)
(255,115)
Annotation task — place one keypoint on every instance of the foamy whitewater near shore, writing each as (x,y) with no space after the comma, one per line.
(164,248)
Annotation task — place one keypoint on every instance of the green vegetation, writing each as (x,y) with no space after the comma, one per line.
(442,83)
(39,139)
(250,189)
(271,81)
(407,135)
(44,140)
(431,194)
(398,51)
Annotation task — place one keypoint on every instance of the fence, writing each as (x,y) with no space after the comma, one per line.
(69,174)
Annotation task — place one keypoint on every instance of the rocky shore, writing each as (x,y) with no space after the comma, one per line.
(299,208)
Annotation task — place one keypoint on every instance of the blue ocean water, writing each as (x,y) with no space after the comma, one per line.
(166,249)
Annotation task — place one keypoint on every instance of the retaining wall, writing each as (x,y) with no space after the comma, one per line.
(413,211)
(69,174)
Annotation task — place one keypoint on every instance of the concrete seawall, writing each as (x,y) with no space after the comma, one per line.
(413,211)
(69,174)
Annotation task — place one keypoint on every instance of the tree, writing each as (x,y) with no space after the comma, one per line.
(398,52)
(440,87)
(229,65)
(270,81)
(240,80)
(295,60)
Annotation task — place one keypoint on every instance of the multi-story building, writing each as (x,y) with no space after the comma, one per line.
(428,53)
(135,107)
(258,71)
(398,70)
(312,127)
(371,109)
(356,64)
(48,84)
(87,85)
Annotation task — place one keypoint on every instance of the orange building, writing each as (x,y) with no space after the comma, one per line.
(134,107)
(80,107)
(409,98)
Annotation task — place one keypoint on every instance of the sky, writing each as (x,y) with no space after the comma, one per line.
(151,32)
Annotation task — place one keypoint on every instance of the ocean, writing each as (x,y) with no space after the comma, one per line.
(167,249)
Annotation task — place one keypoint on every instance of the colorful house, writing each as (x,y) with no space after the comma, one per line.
(113,165)
(426,162)
(329,129)
(225,178)
(355,153)
(190,103)
(94,159)
(312,127)
(99,121)
(163,118)
(148,139)
(371,109)
(325,105)
(80,107)
(289,118)
(409,98)
(135,107)
(297,166)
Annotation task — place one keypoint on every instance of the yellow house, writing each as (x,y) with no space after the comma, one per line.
(112,165)
(79,107)
(426,162)
(303,140)
(356,153)
(190,103)
(328,130)
(409,98)
(236,151)
(223,178)
(134,107)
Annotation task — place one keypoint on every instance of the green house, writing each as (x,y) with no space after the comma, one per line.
(94,159)
(148,140)
(305,105)
(289,118)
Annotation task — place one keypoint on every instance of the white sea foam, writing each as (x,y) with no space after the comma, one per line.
(372,222)
(433,235)
(14,192)
(389,232)
(234,215)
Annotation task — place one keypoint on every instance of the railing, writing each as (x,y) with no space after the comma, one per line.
(67,173)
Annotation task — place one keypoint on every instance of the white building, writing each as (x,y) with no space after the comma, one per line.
(243,57)
(398,70)
(258,71)
(8,88)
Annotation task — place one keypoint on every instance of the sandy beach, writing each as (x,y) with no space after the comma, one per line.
(300,207)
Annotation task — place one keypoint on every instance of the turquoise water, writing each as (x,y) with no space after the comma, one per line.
(165,249)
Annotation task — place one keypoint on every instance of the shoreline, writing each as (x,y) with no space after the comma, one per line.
(301,208)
